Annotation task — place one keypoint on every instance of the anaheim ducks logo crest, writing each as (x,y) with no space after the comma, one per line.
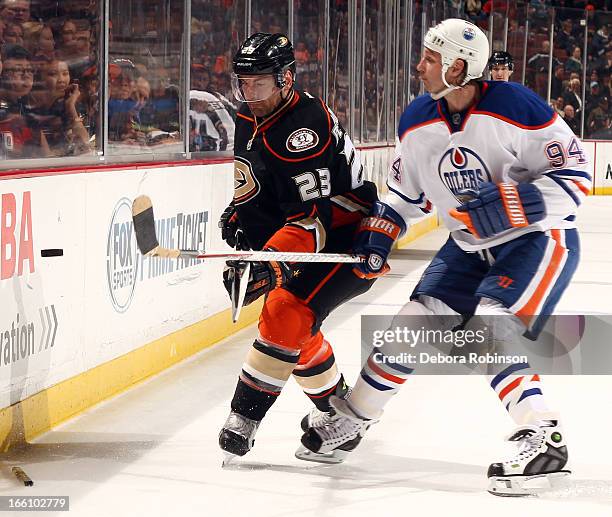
(246,185)
(302,140)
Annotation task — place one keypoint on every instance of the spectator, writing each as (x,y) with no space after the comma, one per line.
(67,47)
(603,64)
(16,119)
(57,111)
(165,98)
(593,96)
(539,61)
(574,63)
(302,56)
(473,8)
(573,95)
(90,98)
(600,41)
(13,34)
(15,11)
(565,38)
(79,55)
(557,83)
(558,106)
(571,120)
(600,111)
(603,129)
(38,40)
(122,107)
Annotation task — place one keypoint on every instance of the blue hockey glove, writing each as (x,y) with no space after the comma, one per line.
(498,207)
(374,240)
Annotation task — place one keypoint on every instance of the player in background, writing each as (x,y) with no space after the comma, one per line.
(513,247)
(298,187)
(501,65)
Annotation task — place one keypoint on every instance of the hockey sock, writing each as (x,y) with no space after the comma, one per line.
(317,373)
(381,376)
(264,373)
(521,394)
(378,381)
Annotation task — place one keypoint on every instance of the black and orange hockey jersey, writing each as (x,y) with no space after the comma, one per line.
(297,176)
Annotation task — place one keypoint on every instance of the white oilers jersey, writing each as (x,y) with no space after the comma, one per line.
(510,135)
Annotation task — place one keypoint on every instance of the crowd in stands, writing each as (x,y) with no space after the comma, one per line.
(50,91)
(50,95)
(48,87)
(567,56)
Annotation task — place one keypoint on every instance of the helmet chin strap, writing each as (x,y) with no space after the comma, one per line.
(449,87)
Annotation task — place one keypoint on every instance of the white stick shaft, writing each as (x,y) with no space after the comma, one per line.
(257,256)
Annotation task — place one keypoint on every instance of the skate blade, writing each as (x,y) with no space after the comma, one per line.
(228,458)
(332,457)
(527,486)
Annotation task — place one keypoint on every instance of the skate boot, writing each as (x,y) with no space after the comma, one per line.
(318,418)
(237,436)
(538,466)
(340,435)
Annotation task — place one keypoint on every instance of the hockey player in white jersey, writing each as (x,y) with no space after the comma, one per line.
(506,175)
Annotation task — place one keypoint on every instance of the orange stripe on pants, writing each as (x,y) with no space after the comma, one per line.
(529,309)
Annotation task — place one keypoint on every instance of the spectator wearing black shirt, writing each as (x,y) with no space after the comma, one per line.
(598,112)
(600,41)
(565,38)
(603,129)
(571,120)
(556,85)
(539,61)
(593,95)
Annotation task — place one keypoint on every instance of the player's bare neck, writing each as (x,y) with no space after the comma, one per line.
(462,98)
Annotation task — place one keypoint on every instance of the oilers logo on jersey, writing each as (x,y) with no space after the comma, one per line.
(461,168)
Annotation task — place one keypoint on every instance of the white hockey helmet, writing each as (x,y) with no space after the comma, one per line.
(459,39)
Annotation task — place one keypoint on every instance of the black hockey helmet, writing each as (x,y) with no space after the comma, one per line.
(501,57)
(265,53)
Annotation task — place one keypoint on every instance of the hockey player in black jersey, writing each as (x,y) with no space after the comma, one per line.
(299,187)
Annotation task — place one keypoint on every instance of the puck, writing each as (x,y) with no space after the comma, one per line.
(53,252)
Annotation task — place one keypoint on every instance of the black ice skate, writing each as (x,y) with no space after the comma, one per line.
(539,465)
(237,436)
(339,435)
(318,418)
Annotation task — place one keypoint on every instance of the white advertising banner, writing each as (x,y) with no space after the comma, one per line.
(602,157)
(41,299)
(63,315)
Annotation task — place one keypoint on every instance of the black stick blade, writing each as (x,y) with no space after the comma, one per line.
(144,224)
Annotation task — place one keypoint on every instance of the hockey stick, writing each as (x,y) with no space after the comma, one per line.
(240,282)
(146,238)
